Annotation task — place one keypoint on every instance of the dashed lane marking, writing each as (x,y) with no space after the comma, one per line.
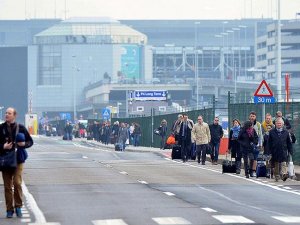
(209,210)
(169,193)
(27,220)
(124,172)
(142,182)
(109,222)
(287,219)
(44,224)
(288,188)
(171,221)
(232,219)
(84,157)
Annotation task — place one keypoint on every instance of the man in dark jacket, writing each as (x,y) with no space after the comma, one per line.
(12,178)
(281,146)
(216,133)
(184,135)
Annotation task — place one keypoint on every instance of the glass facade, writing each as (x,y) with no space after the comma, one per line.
(50,66)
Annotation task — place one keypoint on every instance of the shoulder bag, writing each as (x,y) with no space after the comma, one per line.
(8,159)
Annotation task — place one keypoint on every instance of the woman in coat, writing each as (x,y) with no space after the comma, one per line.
(248,138)
(234,145)
(163,133)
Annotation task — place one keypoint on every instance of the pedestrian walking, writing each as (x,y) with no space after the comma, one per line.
(176,126)
(281,146)
(267,152)
(68,131)
(267,122)
(184,137)
(137,133)
(201,136)
(234,145)
(123,135)
(258,128)
(216,133)
(248,140)
(12,177)
(163,128)
(286,122)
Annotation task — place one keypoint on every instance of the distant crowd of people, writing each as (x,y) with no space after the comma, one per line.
(122,133)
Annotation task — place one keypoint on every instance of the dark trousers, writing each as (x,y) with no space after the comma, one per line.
(185,149)
(248,159)
(201,153)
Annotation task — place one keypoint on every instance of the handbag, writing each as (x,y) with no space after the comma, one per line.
(156,131)
(8,160)
(291,168)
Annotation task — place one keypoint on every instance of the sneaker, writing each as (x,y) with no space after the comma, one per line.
(254,174)
(19,212)
(9,214)
(203,163)
(247,176)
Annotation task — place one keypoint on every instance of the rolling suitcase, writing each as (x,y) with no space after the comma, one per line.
(261,168)
(176,152)
(118,147)
(228,166)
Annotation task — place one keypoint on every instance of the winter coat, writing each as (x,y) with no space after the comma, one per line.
(216,133)
(246,142)
(187,135)
(201,133)
(123,134)
(280,145)
(163,130)
(233,144)
(5,136)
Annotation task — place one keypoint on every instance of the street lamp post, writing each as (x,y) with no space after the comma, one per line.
(278,77)
(245,44)
(74,87)
(196,64)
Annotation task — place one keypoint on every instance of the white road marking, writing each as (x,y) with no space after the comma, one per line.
(123,172)
(44,224)
(169,193)
(25,220)
(142,182)
(209,210)
(232,219)
(38,214)
(84,157)
(170,220)
(26,215)
(288,188)
(288,219)
(109,222)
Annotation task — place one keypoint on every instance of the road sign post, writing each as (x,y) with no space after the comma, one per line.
(264,95)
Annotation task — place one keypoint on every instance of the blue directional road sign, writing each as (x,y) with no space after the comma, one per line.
(150,95)
(264,100)
(106,114)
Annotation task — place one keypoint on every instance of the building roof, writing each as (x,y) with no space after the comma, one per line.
(90,30)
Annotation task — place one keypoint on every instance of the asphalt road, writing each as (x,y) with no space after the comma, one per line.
(71,183)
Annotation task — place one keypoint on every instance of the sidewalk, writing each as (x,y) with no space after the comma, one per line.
(165,153)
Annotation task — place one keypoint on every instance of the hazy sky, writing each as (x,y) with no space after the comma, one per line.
(148,9)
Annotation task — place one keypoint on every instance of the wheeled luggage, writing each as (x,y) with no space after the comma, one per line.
(176,152)
(118,147)
(228,166)
(261,168)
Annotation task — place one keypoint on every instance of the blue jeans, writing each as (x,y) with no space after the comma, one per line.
(136,139)
(215,151)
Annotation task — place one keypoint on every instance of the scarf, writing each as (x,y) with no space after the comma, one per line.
(235,131)
(250,131)
(265,124)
